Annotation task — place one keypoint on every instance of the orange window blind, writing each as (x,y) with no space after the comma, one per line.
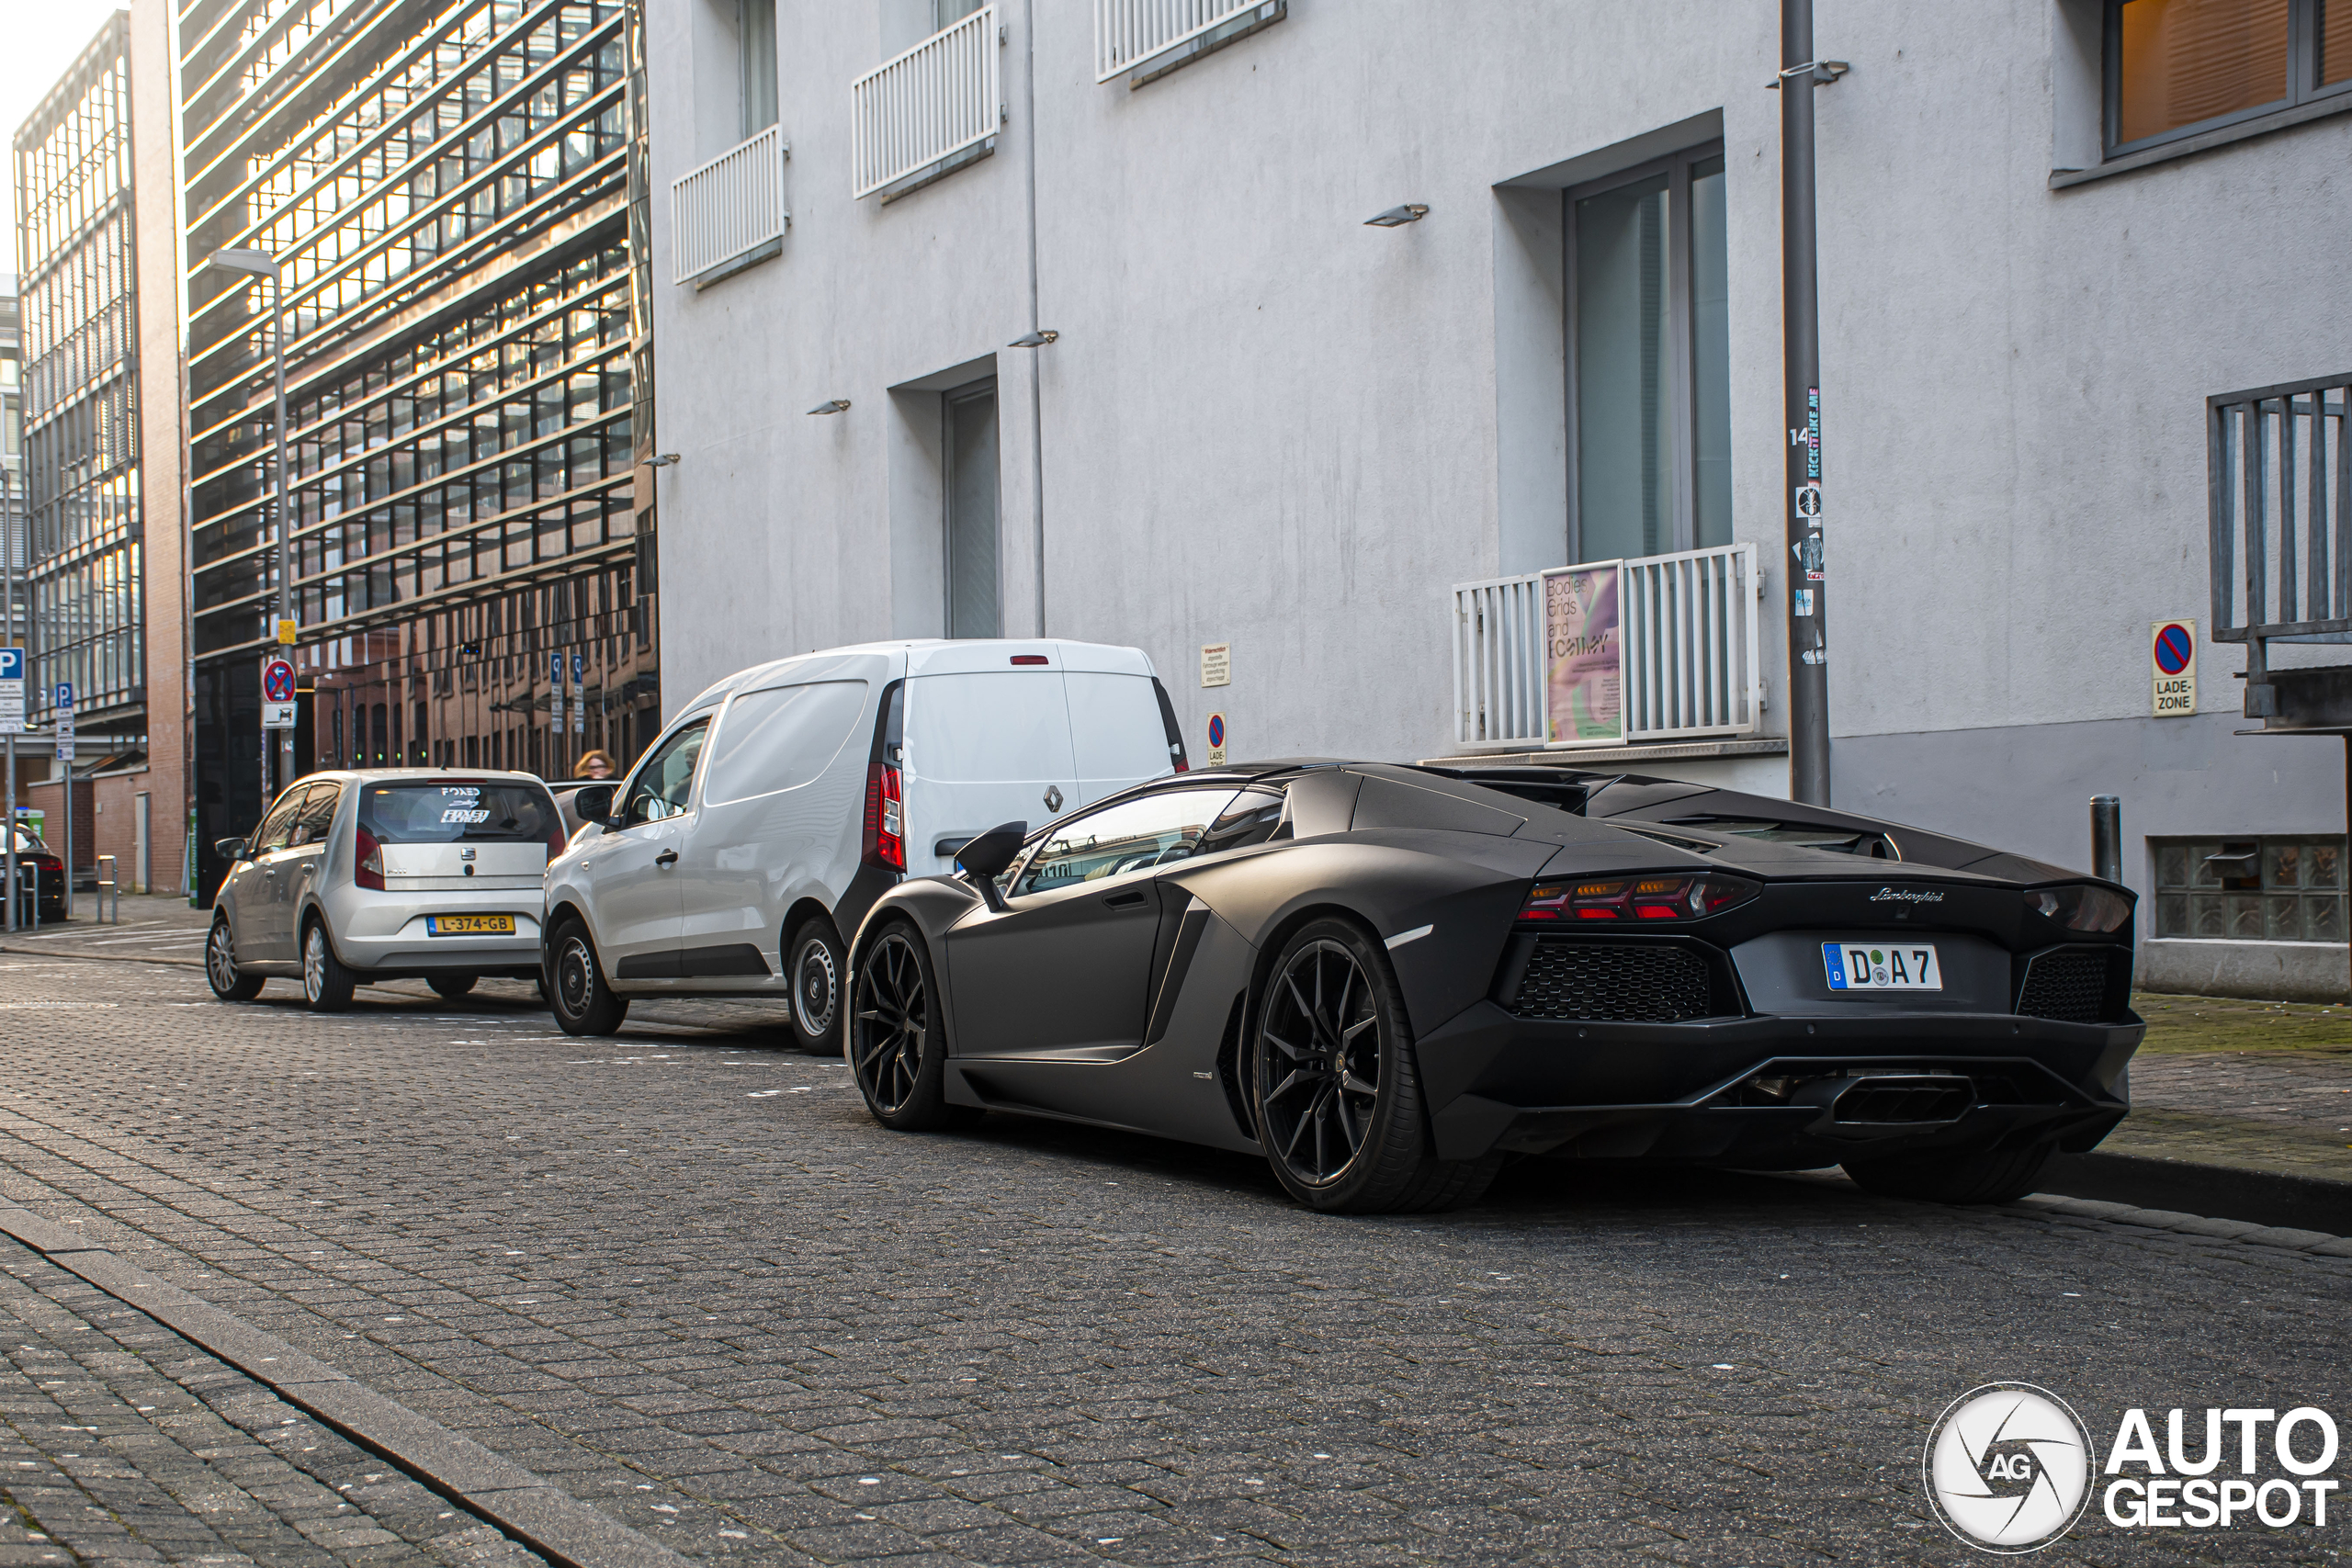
(2186,60)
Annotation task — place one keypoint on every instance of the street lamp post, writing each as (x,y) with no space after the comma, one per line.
(261,264)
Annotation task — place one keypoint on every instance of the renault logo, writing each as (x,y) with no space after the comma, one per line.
(1053,798)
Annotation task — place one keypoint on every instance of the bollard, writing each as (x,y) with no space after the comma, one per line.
(111,882)
(2106,836)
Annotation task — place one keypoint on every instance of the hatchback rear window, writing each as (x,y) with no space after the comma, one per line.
(471,811)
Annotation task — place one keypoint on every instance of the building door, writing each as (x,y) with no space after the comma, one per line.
(971,523)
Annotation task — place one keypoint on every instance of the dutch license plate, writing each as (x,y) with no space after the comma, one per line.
(469,925)
(1883,966)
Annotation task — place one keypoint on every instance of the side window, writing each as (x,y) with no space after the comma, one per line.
(316,815)
(781,739)
(1134,835)
(277,828)
(1255,816)
(662,784)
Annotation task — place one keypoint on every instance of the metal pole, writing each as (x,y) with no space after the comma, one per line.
(285,522)
(1037,355)
(1808,578)
(2106,837)
(8,639)
(68,840)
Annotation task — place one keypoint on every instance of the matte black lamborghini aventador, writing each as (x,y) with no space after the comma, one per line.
(1391,979)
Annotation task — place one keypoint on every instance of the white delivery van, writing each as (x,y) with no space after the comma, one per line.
(756,831)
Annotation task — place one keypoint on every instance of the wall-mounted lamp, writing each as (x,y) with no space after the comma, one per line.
(663,461)
(1396,217)
(832,405)
(1037,339)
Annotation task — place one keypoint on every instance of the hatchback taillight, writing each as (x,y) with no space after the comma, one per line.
(368,862)
(886,821)
(1627,900)
(556,842)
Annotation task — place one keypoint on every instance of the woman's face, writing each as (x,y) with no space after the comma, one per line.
(597,767)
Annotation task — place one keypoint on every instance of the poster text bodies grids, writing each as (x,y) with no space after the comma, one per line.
(1584,656)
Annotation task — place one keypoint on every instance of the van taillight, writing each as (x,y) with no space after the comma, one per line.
(368,862)
(1029,658)
(885,822)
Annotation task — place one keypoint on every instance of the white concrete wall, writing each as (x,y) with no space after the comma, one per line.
(1268,425)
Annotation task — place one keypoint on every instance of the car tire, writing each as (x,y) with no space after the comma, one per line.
(582,1001)
(1983,1176)
(896,1042)
(326,984)
(452,985)
(228,982)
(814,963)
(1336,1088)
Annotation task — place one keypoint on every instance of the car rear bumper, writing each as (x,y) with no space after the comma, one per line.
(1774,1092)
(390,935)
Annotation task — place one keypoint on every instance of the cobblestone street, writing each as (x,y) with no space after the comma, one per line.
(681,1274)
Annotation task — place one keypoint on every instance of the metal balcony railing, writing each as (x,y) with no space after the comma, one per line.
(2280,512)
(923,107)
(1670,639)
(1127,33)
(729,207)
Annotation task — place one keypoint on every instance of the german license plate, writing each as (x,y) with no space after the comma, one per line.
(469,925)
(1883,966)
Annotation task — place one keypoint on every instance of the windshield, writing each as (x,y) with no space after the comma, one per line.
(473,811)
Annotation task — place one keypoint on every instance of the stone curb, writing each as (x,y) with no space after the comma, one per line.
(525,1506)
(100,957)
(2317,1243)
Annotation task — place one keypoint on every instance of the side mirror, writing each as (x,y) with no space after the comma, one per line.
(230,850)
(593,803)
(984,857)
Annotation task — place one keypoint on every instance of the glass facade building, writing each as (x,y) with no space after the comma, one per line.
(447,190)
(76,270)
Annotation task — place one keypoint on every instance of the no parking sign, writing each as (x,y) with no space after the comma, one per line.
(2172,656)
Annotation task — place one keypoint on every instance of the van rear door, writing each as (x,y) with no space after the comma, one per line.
(983,747)
(1117,735)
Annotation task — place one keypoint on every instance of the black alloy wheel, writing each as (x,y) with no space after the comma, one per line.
(582,1001)
(814,960)
(896,1045)
(228,982)
(1337,1089)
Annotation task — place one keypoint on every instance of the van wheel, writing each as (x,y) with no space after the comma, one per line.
(583,1002)
(897,1044)
(326,984)
(228,982)
(451,985)
(814,961)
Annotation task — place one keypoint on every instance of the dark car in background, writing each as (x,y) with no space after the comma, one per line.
(40,879)
(1390,979)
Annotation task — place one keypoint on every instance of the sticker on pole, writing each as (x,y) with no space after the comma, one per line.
(1808,499)
(2172,658)
(1217,740)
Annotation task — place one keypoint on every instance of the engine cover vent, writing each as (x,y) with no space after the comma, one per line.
(2068,987)
(1614,983)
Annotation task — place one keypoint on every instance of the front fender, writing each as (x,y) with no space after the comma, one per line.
(933,904)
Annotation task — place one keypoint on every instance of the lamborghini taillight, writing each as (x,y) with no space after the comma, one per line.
(886,844)
(1635,901)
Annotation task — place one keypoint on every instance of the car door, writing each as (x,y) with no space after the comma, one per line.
(1064,969)
(302,863)
(629,873)
(264,917)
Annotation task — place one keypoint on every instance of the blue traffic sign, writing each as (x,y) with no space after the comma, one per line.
(12,663)
(277,681)
(64,695)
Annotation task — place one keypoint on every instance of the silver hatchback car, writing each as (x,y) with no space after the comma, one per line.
(382,873)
